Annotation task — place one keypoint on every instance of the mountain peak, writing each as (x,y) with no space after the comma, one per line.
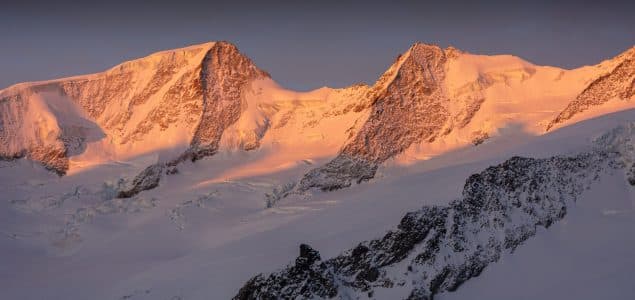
(427,54)
(181,55)
(419,48)
(228,54)
(452,52)
(187,95)
(422,45)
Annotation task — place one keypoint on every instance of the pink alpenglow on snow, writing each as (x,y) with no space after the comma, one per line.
(192,174)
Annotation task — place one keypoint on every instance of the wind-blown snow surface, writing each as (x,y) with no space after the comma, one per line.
(206,230)
(207,243)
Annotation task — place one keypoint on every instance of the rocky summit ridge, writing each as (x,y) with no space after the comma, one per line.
(196,97)
(194,90)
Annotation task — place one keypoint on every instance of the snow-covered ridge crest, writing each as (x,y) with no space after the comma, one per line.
(618,83)
(166,94)
(408,106)
(431,101)
(193,102)
(210,214)
(149,61)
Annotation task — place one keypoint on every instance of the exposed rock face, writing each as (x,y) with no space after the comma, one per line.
(194,99)
(148,179)
(339,173)
(436,249)
(107,101)
(409,105)
(127,87)
(224,73)
(193,92)
(412,103)
(52,157)
(39,131)
(621,140)
(306,271)
(181,103)
(38,139)
(619,83)
(410,109)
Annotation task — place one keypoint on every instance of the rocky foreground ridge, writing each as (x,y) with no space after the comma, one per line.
(437,248)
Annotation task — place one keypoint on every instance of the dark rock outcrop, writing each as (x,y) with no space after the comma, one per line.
(437,248)
(339,173)
(148,179)
(307,273)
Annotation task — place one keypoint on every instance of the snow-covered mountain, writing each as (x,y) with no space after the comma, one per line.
(435,100)
(199,148)
(210,97)
(187,96)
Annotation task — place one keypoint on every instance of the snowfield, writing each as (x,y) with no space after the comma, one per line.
(210,202)
(222,238)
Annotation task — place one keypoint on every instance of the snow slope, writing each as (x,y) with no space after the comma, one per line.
(176,104)
(205,230)
(224,241)
(435,100)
